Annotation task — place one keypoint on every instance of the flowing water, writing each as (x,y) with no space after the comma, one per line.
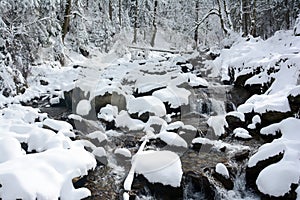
(105,182)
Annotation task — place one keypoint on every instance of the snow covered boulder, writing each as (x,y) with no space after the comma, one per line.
(114,98)
(221,173)
(159,167)
(235,119)
(144,107)
(277,162)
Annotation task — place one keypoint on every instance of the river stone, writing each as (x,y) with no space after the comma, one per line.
(157,190)
(253,172)
(114,99)
(198,183)
(234,122)
(226,182)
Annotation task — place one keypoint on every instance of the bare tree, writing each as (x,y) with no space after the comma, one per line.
(135,22)
(154,23)
(66,24)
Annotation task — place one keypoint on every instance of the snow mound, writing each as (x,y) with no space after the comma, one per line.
(123,120)
(172,139)
(83,107)
(222,169)
(241,133)
(124,152)
(217,123)
(49,171)
(173,95)
(159,167)
(108,113)
(145,104)
(285,172)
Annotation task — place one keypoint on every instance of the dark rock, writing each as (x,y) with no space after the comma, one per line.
(114,99)
(79,182)
(294,102)
(143,117)
(226,182)
(240,80)
(6,92)
(84,52)
(271,117)
(242,155)
(149,93)
(234,122)
(194,183)
(239,95)
(73,97)
(141,186)
(43,82)
(291,195)
(253,172)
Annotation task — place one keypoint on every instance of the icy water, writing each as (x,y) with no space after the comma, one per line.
(106,181)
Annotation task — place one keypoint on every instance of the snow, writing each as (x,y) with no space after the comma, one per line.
(50,171)
(285,172)
(255,120)
(237,114)
(123,120)
(173,95)
(99,151)
(159,167)
(145,104)
(57,125)
(124,152)
(241,133)
(217,123)
(99,135)
(222,169)
(218,144)
(172,139)
(83,107)
(108,113)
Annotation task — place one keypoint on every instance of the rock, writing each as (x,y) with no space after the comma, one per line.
(143,117)
(294,102)
(198,183)
(141,186)
(234,122)
(114,99)
(253,172)
(271,117)
(43,82)
(242,155)
(6,92)
(226,182)
(84,52)
(73,96)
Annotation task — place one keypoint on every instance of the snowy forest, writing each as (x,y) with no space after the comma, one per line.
(150,99)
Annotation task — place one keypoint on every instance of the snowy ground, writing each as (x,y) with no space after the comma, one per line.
(147,82)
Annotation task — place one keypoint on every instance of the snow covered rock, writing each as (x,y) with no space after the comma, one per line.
(241,133)
(147,105)
(221,173)
(159,167)
(123,120)
(172,139)
(123,152)
(83,107)
(100,155)
(277,161)
(98,138)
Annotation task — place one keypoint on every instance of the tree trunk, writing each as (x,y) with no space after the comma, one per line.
(110,10)
(245,17)
(253,20)
(120,12)
(154,23)
(197,19)
(135,22)
(221,18)
(227,12)
(287,14)
(66,23)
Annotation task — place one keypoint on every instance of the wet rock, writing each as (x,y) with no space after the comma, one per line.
(242,155)
(84,52)
(197,186)
(73,96)
(114,99)
(141,186)
(226,182)
(240,80)
(271,117)
(234,122)
(143,117)
(253,172)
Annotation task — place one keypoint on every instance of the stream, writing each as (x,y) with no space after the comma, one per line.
(198,163)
